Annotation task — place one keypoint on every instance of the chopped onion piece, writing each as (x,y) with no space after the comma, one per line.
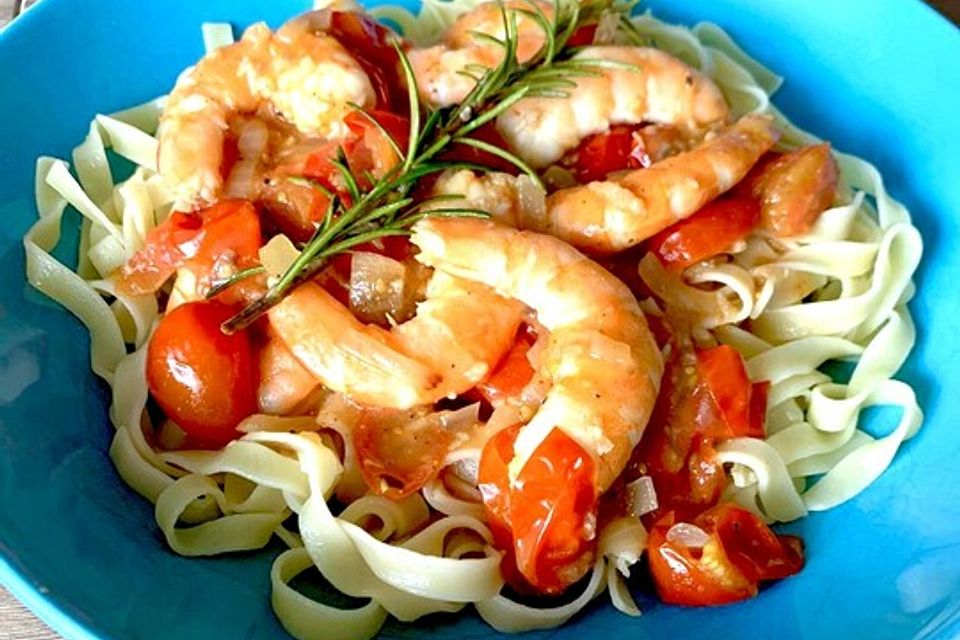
(532,200)
(376,287)
(607,28)
(557,177)
(688,535)
(461,419)
(642,496)
(278,254)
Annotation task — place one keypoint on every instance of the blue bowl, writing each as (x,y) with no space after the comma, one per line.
(878,79)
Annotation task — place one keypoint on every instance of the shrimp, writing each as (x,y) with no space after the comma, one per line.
(655,88)
(304,77)
(439,69)
(612,215)
(460,332)
(602,363)
(285,386)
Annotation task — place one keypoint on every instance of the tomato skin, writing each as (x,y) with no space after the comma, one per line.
(548,515)
(230,228)
(757,552)
(741,552)
(369,42)
(583,37)
(705,398)
(204,380)
(724,373)
(512,373)
(373,151)
(709,231)
(604,153)
(161,255)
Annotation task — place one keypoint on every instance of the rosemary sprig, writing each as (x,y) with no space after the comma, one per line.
(386,208)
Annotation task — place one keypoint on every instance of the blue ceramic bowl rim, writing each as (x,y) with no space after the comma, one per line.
(15,577)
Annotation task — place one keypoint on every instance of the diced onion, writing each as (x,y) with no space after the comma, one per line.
(642,496)
(376,287)
(278,254)
(461,419)
(607,28)
(532,200)
(687,535)
(557,177)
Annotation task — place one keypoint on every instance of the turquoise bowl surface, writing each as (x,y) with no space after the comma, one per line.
(879,79)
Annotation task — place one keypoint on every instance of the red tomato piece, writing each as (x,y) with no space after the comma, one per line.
(551,510)
(229,229)
(706,397)
(583,37)
(709,231)
(752,546)
(725,375)
(512,373)
(369,42)
(494,484)
(742,404)
(601,154)
(164,251)
(741,551)
(203,379)
(397,457)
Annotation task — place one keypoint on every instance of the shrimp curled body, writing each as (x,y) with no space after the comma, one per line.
(440,69)
(459,334)
(647,86)
(601,361)
(304,77)
(612,215)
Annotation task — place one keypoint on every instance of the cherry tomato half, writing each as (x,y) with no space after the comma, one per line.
(706,397)
(545,519)
(740,552)
(204,380)
(230,228)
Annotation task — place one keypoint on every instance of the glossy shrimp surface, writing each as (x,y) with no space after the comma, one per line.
(460,332)
(618,213)
(648,86)
(297,74)
(440,68)
(600,360)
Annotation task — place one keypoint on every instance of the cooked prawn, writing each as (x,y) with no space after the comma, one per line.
(620,212)
(651,87)
(440,69)
(460,332)
(302,76)
(601,361)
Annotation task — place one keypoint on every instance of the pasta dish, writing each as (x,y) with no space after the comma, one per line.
(496,305)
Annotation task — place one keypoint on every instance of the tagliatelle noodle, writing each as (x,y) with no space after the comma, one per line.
(855,263)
